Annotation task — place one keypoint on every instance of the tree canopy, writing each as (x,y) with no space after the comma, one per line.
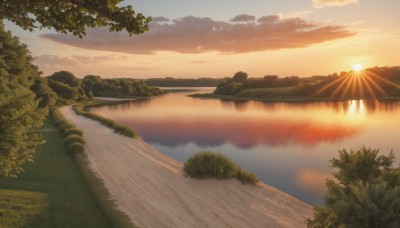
(73,16)
(19,112)
(365,194)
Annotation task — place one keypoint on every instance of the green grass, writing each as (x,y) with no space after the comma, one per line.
(209,164)
(120,129)
(19,208)
(70,203)
(74,142)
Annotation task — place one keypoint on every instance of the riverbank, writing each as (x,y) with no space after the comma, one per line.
(153,191)
(279,98)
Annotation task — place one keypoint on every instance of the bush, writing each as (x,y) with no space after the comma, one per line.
(75,148)
(246,177)
(72,136)
(207,164)
(74,139)
(72,131)
(365,192)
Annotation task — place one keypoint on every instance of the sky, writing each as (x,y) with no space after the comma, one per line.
(208,38)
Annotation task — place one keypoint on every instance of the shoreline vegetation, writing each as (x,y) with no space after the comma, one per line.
(381,83)
(278,99)
(120,129)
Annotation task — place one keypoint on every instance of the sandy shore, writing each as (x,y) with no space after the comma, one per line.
(152,190)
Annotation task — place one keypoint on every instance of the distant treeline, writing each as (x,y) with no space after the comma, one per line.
(181,82)
(370,83)
(64,88)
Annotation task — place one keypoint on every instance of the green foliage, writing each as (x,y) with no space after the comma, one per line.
(68,87)
(240,76)
(72,131)
(240,82)
(117,87)
(183,82)
(120,129)
(18,208)
(365,194)
(75,148)
(44,93)
(72,16)
(378,82)
(70,200)
(71,139)
(208,164)
(364,165)
(66,78)
(19,112)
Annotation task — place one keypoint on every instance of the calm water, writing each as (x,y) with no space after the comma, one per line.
(287,145)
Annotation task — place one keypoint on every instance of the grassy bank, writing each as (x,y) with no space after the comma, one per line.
(120,129)
(74,141)
(18,208)
(54,173)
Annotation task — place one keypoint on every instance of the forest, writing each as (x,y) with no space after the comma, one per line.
(183,82)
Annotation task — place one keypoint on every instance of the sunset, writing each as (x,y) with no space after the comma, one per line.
(215,39)
(127,113)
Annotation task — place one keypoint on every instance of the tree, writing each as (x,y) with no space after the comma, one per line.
(43,92)
(239,76)
(73,16)
(365,194)
(19,112)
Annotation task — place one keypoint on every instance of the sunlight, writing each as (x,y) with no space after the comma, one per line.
(357,67)
(362,84)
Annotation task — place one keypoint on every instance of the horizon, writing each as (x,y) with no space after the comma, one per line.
(217,39)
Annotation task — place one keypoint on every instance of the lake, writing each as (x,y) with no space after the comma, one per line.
(287,145)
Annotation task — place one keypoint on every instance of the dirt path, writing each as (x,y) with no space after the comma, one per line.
(150,187)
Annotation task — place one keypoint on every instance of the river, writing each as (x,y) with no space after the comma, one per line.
(287,145)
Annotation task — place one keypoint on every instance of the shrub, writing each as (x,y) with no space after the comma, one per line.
(75,148)
(74,139)
(211,164)
(72,131)
(246,177)
(365,192)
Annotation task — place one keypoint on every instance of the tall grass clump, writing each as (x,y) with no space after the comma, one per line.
(120,129)
(76,148)
(73,137)
(209,164)
(72,131)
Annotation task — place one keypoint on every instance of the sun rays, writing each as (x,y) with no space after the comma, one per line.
(357,84)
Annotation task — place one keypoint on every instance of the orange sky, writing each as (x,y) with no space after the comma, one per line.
(217,39)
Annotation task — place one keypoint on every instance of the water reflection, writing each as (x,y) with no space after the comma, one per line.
(288,145)
(242,133)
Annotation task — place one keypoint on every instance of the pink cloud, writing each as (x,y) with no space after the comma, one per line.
(328,3)
(199,35)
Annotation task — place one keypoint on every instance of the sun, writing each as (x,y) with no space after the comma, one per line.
(357,67)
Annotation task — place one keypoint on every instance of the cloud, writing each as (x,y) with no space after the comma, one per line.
(76,60)
(243,18)
(328,3)
(199,35)
(159,19)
